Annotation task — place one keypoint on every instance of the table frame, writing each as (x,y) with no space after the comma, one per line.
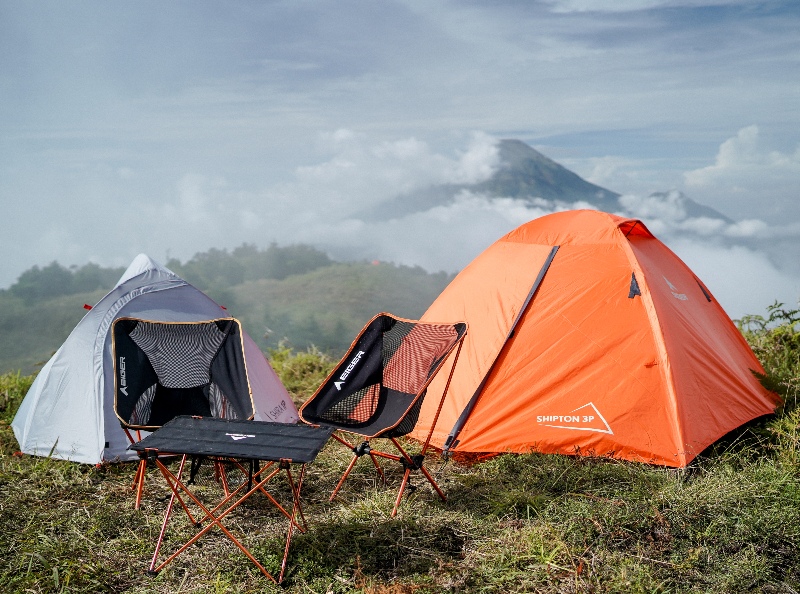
(212,515)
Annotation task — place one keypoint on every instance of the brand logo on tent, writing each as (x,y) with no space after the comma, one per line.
(347,371)
(238,436)
(123,382)
(674,289)
(583,418)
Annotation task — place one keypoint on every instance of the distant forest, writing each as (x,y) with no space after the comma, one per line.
(214,269)
(293,295)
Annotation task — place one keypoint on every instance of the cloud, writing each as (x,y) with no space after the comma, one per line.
(435,238)
(743,280)
(441,238)
(749,176)
(670,214)
(568,6)
(361,172)
(319,206)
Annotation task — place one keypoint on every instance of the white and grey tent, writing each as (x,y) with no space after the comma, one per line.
(69,411)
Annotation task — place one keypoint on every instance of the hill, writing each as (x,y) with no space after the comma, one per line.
(294,295)
(327,307)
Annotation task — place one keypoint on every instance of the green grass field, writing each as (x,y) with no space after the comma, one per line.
(516,523)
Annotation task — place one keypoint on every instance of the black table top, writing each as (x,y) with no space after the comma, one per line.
(252,440)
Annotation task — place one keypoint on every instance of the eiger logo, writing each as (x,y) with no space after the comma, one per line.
(583,418)
(123,381)
(238,436)
(347,371)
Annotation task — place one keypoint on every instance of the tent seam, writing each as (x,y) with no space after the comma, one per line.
(661,346)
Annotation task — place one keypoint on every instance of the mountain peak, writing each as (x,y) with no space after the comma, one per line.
(527,173)
(529,176)
(514,152)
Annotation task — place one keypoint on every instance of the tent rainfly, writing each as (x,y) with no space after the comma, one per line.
(68,413)
(589,336)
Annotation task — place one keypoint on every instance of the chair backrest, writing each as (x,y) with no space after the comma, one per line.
(166,369)
(378,386)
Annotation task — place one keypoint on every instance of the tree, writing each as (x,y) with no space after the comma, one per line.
(36,284)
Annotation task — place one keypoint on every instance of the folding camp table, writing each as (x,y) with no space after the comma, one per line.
(279,445)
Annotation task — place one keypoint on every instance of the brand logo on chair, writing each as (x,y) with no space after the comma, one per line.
(238,436)
(347,371)
(123,383)
(583,418)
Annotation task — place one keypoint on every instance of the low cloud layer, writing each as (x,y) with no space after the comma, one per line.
(729,255)
(321,205)
(751,178)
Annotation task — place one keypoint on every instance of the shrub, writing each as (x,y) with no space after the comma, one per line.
(301,372)
(13,388)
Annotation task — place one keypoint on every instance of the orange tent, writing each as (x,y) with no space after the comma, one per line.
(587,335)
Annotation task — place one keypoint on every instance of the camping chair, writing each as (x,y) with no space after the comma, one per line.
(166,369)
(378,388)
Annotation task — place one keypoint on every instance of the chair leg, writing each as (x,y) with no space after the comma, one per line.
(138,483)
(413,463)
(433,483)
(358,451)
(409,463)
(344,476)
(401,491)
(378,467)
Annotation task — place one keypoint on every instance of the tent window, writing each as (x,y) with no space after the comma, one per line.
(634,290)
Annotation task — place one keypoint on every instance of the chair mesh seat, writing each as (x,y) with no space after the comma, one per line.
(355,409)
(180,354)
(165,369)
(383,377)
(377,389)
(414,350)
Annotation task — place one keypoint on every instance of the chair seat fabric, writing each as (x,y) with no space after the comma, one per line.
(378,386)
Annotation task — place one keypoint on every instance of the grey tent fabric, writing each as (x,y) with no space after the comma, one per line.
(68,412)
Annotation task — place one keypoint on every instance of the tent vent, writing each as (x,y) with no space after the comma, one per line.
(702,288)
(634,290)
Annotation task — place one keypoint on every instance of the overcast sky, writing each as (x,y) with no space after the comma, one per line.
(174,127)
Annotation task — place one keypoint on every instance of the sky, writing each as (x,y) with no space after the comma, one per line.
(173,128)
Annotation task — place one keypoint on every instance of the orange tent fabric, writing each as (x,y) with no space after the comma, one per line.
(587,335)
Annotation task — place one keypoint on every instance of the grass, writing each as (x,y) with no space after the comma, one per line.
(516,523)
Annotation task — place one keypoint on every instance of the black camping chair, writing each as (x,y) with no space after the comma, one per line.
(378,388)
(166,369)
